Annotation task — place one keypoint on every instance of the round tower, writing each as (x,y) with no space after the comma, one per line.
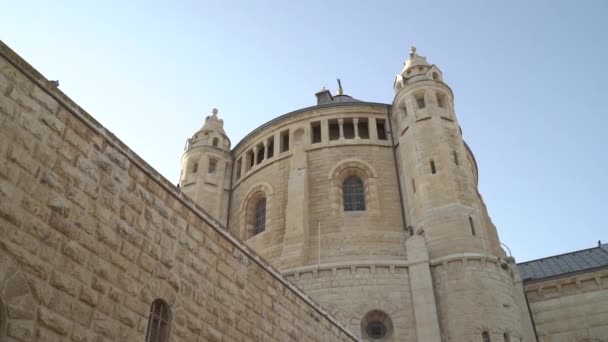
(473,279)
(206,168)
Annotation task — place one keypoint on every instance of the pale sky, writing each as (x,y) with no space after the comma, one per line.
(529,79)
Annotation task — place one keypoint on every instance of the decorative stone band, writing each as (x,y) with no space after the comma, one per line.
(371,265)
(162,182)
(391,265)
(569,284)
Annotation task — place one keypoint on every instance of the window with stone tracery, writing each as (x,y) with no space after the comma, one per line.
(353,194)
(485,336)
(158,322)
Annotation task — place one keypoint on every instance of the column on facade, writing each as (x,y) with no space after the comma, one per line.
(341,123)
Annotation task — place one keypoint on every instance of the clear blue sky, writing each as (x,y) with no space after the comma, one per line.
(529,79)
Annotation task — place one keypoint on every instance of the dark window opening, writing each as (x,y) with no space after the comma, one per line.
(433,169)
(249,158)
(506,337)
(456,158)
(376,330)
(270,147)
(334,130)
(440,100)
(212,165)
(260,156)
(194,167)
(363,128)
(260,216)
(472,226)
(353,194)
(315,132)
(404,111)
(285,141)
(380,127)
(158,322)
(414,185)
(420,100)
(239,164)
(216,141)
(348,128)
(435,76)
(485,336)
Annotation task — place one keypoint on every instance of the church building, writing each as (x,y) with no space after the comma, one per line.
(344,221)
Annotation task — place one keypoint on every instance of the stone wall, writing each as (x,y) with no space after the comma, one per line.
(91,235)
(571,309)
(350,291)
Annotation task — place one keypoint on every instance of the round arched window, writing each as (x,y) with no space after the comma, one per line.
(376,325)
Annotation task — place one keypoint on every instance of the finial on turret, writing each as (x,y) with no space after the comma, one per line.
(214,111)
(412,51)
(340,90)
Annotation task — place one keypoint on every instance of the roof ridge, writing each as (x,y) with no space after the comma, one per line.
(604,249)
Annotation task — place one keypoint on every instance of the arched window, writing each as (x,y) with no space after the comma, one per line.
(260,216)
(353,194)
(485,336)
(158,322)
(506,337)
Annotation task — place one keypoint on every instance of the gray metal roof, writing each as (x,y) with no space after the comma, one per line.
(565,264)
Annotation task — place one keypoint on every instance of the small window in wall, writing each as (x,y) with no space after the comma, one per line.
(376,326)
(376,330)
(353,194)
(381,128)
(404,111)
(194,167)
(158,322)
(414,185)
(216,141)
(420,100)
(485,336)
(315,132)
(433,169)
(506,337)
(249,159)
(334,130)
(456,158)
(212,165)
(285,141)
(239,164)
(435,76)
(440,100)
(472,226)
(260,216)
(348,128)
(363,128)
(270,147)
(260,155)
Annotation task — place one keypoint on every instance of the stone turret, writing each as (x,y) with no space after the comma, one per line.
(206,167)
(444,208)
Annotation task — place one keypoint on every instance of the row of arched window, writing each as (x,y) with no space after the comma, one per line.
(353,198)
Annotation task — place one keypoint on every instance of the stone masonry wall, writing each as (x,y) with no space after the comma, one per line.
(91,235)
(571,309)
(351,291)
